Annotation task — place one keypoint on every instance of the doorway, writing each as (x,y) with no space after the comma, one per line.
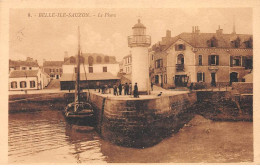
(213,79)
(181,80)
(233,77)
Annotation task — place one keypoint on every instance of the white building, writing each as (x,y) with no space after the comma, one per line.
(127,64)
(97,68)
(93,63)
(28,79)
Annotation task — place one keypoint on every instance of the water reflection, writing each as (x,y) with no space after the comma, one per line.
(45,137)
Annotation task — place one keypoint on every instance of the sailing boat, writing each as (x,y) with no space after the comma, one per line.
(79,112)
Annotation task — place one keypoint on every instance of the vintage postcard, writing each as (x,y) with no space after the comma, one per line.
(98,83)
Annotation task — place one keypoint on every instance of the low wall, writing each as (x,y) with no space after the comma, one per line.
(139,122)
(36,102)
(243,87)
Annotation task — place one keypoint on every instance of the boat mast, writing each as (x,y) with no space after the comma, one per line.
(77,87)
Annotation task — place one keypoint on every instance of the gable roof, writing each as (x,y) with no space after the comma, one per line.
(23,73)
(200,40)
(19,63)
(95,56)
(53,63)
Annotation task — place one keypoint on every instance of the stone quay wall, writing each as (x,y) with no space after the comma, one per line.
(139,122)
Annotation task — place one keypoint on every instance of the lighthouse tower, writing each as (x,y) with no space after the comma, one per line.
(139,43)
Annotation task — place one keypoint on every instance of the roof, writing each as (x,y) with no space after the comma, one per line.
(127,56)
(138,25)
(90,76)
(23,73)
(19,63)
(200,40)
(96,58)
(53,63)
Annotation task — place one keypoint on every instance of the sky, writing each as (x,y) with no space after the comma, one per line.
(49,37)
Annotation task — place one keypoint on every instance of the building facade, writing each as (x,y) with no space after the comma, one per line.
(28,64)
(53,68)
(95,69)
(127,64)
(205,59)
(28,80)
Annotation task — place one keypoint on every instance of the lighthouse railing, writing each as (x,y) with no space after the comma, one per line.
(139,39)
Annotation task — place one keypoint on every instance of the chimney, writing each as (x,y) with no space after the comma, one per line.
(168,33)
(197,29)
(66,56)
(219,31)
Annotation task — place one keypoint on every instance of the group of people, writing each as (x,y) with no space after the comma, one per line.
(127,88)
(119,89)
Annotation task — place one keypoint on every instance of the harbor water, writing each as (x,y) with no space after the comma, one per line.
(44,137)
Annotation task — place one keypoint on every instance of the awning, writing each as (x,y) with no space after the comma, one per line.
(90,76)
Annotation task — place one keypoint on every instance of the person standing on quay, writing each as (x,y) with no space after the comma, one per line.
(152,86)
(126,89)
(136,94)
(130,88)
(115,90)
(120,89)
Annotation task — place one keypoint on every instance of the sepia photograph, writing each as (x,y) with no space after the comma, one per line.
(130,86)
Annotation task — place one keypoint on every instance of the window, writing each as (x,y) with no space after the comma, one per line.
(60,69)
(200,59)
(159,63)
(235,61)
(212,42)
(213,60)
(104,69)
(165,78)
(180,59)
(236,43)
(179,47)
(32,84)
(72,60)
(23,68)
(30,68)
(90,69)
(249,43)
(90,60)
(13,84)
(99,59)
(156,79)
(75,70)
(23,84)
(57,70)
(152,57)
(106,58)
(200,77)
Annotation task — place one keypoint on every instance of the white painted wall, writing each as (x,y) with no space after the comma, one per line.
(27,80)
(97,68)
(41,78)
(140,68)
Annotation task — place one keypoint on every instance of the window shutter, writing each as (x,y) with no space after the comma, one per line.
(231,61)
(243,61)
(203,76)
(176,47)
(184,47)
(217,59)
(209,59)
